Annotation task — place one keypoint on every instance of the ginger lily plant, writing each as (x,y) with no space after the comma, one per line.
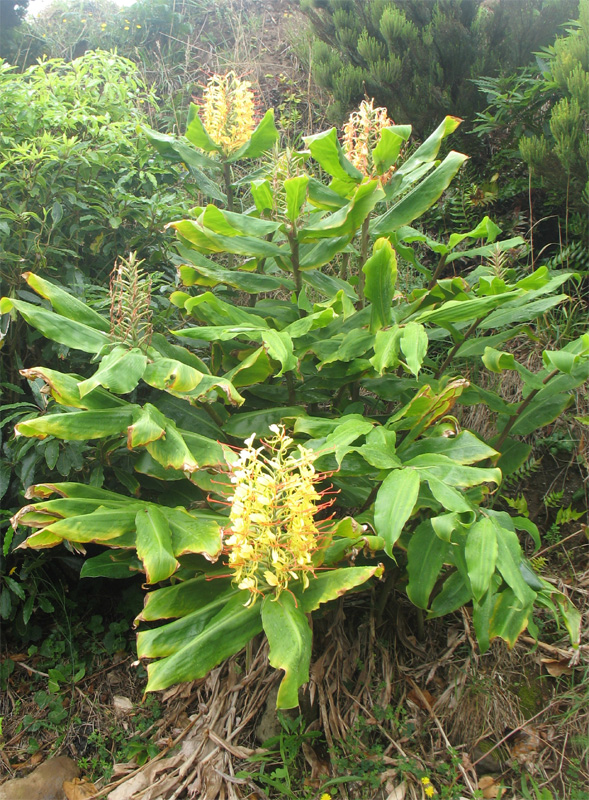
(368,378)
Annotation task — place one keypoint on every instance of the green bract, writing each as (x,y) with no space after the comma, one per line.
(365,376)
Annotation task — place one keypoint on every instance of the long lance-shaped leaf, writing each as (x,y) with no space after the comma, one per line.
(426,554)
(195,532)
(428,151)
(65,304)
(289,637)
(326,150)
(508,618)
(57,328)
(79,425)
(395,502)
(71,489)
(180,380)
(101,526)
(229,631)
(203,271)
(261,140)
(65,390)
(347,220)
(120,371)
(421,197)
(184,598)
(170,637)
(381,277)
(331,584)
(154,544)
(481,555)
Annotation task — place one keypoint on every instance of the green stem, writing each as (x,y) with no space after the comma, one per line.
(521,409)
(212,413)
(458,345)
(364,239)
(438,271)
(294,257)
(229,192)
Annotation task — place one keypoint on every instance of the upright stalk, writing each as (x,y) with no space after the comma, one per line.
(364,239)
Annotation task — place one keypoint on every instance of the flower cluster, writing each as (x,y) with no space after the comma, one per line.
(427,787)
(273,532)
(362,133)
(228,111)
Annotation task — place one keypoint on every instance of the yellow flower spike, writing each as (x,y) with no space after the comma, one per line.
(362,132)
(272,533)
(228,111)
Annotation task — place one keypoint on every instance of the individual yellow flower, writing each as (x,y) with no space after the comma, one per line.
(326,796)
(272,534)
(138,26)
(103,25)
(425,780)
(228,111)
(126,28)
(362,133)
(430,791)
(84,20)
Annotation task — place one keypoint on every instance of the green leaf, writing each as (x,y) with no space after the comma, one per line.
(261,140)
(229,631)
(154,544)
(418,200)
(194,532)
(381,276)
(330,585)
(395,502)
(186,597)
(111,564)
(60,329)
(196,132)
(509,556)
(120,371)
(144,429)
(250,282)
(289,637)
(241,426)
(296,195)
(453,595)
(79,425)
(65,304)
(327,151)
(426,554)
(386,349)
(508,619)
(414,343)
(347,220)
(389,146)
(446,494)
(262,193)
(279,346)
(481,555)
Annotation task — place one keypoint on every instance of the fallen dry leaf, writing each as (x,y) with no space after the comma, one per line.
(556,667)
(398,792)
(79,789)
(490,787)
(418,698)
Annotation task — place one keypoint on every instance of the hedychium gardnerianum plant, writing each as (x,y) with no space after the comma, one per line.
(223,131)
(368,391)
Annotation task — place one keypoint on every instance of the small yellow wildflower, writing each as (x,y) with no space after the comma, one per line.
(228,111)
(103,25)
(326,796)
(272,534)
(64,20)
(138,26)
(425,780)
(362,133)
(84,20)
(126,28)
(430,791)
